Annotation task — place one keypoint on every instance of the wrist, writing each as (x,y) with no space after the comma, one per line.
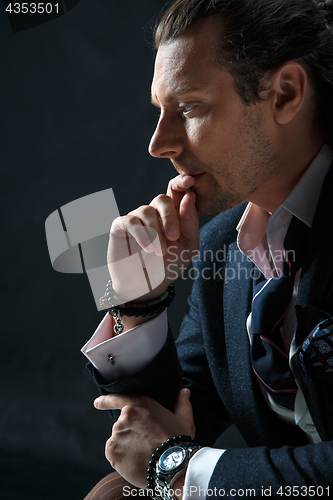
(145,309)
(178,485)
(167,466)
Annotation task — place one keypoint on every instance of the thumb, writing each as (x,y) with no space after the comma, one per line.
(183,411)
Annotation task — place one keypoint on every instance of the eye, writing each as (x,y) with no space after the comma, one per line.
(186,109)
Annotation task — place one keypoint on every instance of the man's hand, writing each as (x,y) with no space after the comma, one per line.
(143,425)
(173,217)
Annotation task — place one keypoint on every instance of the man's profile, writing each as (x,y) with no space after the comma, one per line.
(244,90)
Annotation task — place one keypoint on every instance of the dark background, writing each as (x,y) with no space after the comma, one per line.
(75,119)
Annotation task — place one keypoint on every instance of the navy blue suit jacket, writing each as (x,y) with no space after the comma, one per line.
(212,358)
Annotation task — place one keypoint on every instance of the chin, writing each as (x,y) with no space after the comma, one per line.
(212,198)
(208,205)
(207,208)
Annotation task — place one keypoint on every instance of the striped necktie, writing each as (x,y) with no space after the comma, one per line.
(271,299)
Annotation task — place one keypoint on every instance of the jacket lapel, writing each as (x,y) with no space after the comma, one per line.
(316,290)
(316,282)
(252,415)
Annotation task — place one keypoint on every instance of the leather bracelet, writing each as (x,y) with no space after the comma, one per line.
(151,471)
(142,309)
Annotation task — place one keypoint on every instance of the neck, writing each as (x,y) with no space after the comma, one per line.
(290,168)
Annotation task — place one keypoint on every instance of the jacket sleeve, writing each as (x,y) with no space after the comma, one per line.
(210,415)
(168,372)
(281,472)
(160,379)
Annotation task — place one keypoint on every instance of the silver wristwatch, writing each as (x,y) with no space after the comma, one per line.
(171,463)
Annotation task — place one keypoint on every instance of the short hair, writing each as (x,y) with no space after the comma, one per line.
(258,36)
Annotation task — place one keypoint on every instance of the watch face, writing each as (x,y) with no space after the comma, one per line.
(172,458)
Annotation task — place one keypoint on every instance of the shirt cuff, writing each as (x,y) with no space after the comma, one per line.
(131,351)
(199,471)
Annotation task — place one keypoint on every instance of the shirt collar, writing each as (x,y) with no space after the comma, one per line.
(303,200)
(258,230)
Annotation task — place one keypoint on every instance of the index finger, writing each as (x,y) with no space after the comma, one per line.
(178,187)
(116,401)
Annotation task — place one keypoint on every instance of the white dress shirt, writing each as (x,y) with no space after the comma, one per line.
(259,233)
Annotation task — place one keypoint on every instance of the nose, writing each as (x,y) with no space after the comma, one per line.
(167,140)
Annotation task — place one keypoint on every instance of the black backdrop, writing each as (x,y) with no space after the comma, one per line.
(75,119)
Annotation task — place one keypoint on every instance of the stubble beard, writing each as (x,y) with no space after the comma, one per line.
(242,174)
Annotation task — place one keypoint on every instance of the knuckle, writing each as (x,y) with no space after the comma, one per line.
(148,211)
(116,224)
(163,198)
(128,412)
(117,426)
(109,443)
(109,451)
(132,220)
(116,221)
(108,447)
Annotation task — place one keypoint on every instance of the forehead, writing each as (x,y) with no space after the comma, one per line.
(186,63)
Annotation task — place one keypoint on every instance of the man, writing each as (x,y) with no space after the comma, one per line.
(244,89)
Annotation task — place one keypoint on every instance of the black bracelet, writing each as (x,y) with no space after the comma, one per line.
(142,309)
(151,471)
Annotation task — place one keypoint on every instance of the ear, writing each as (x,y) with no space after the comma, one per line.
(290,85)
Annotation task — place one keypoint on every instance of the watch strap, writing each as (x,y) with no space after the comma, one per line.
(164,480)
(152,465)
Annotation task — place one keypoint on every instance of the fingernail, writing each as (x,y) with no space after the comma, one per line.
(98,401)
(173,231)
(187,393)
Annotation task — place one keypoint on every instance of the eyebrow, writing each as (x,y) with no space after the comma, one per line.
(176,93)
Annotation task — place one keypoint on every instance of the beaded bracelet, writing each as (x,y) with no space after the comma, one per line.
(142,309)
(151,471)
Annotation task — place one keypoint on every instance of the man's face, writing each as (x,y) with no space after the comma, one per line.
(204,127)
